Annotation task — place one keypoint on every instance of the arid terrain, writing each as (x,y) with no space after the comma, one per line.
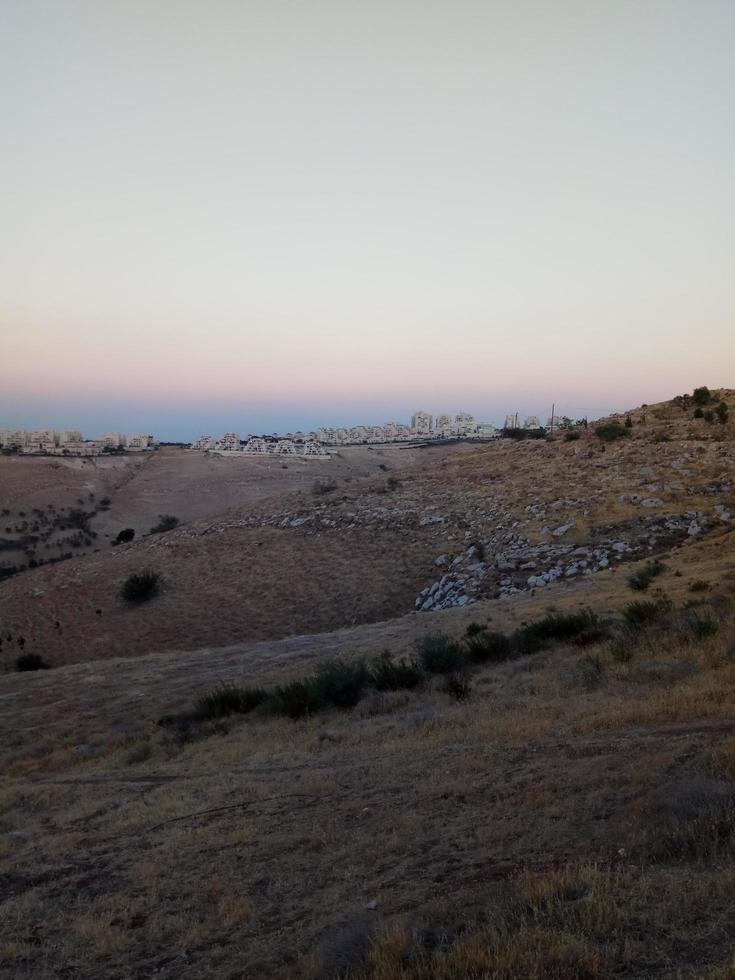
(556,801)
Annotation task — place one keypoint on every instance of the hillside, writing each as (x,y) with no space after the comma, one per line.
(284,767)
(554,824)
(467,522)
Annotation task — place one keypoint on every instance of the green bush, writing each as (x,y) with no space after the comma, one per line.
(698,413)
(700,627)
(340,682)
(140,586)
(644,612)
(127,534)
(387,674)
(166,522)
(709,416)
(228,699)
(610,431)
(702,396)
(487,647)
(458,685)
(295,700)
(722,413)
(439,654)
(571,436)
(640,580)
(473,628)
(31,661)
(554,627)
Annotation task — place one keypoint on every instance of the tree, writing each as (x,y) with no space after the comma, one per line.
(698,413)
(127,534)
(722,413)
(702,396)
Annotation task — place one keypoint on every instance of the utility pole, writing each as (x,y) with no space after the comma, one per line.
(553,406)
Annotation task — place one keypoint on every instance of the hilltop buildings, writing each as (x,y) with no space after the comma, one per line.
(49,442)
(230,442)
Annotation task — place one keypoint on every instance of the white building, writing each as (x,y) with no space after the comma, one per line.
(71,435)
(487,430)
(421,424)
(204,443)
(559,422)
(465,424)
(137,441)
(229,442)
(532,422)
(12,438)
(113,440)
(444,428)
(511,422)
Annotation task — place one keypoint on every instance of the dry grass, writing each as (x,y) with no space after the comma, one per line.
(573,818)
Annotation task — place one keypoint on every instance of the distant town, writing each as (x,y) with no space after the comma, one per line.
(49,442)
(423,427)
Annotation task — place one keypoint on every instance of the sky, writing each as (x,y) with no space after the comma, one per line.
(260,215)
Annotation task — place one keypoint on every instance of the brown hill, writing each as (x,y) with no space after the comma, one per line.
(467,522)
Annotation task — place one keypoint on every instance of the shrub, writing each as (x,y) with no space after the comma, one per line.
(640,580)
(340,682)
(166,522)
(392,483)
(700,627)
(610,431)
(628,422)
(127,534)
(472,629)
(554,627)
(643,612)
(709,416)
(702,396)
(458,685)
(439,654)
(698,413)
(699,585)
(387,674)
(294,700)
(571,436)
(228,699)
(487,647)
(140,586)
(320,487)
(722,413)
(31,661)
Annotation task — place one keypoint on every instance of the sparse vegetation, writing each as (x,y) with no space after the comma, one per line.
(229,699)
(321,487)
(439,654)
(166,522)
(31,661)
(340,682)
(702,396)
(127,534)
(641,579)
(387,674)
(140,586)
(644,612)
(611,431)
